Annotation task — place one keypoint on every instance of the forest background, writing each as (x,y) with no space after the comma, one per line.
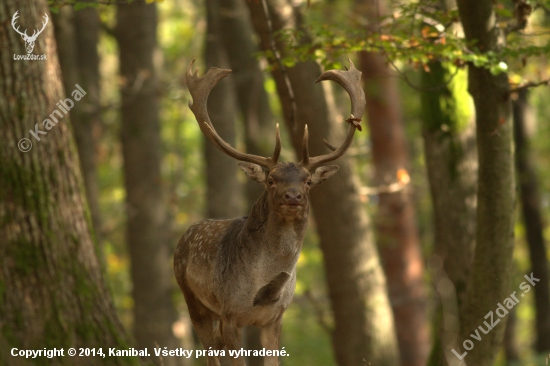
(438,212)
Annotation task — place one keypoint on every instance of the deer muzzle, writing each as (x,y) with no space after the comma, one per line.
(292,198)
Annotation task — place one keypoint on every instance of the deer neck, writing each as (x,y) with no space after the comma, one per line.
(274,232)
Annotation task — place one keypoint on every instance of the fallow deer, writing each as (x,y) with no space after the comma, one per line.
(239,272)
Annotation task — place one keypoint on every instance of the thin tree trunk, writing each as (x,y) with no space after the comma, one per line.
(66,47)
(396,232)
(237,37)
(77,36)
(489,282)
(532,219)
(451,162)
(223,190)
(146,231)
(364,330)
(88,123)
(235,31)
(52,292)
(397,235)
(510,342)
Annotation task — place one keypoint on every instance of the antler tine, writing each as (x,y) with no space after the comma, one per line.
(277,151)
(305,147)
(351,81)
(200,88)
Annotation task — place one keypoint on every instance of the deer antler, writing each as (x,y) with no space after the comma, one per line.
(13,19)
(200,88)
(351,81)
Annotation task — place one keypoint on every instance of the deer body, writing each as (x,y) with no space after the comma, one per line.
(215,255)
(239,272)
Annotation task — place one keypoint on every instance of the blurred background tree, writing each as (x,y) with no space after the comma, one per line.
(52,290)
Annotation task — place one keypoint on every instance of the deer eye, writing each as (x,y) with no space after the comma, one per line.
(270,181)
(308,182)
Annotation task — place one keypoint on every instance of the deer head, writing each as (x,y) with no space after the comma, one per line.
(29,40)
(288,184)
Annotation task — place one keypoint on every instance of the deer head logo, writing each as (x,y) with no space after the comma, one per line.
(29,40)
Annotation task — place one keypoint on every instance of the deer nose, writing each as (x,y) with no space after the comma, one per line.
(293,197)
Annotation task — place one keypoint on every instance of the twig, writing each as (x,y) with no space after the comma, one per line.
(529,85)
(318,311)
(446,291)
(108,30)
(281,65)
(419,88)
(390,188)
(100,2)
(160,357)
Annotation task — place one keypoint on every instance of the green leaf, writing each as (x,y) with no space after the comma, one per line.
(84,5)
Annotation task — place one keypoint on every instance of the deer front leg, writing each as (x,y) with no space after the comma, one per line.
(204,326)
(270,340)
(203,321)
(232,338)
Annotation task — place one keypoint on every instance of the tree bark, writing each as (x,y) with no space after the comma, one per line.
(397,235)
(87,124)
(396,232)
(223,190)
(52,292)
(236,35)
(146,231)
(532,219)
(510,342)
(489,282)
(451,162)
(364,330)
(77,37)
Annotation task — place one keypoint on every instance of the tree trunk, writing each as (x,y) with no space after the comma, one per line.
(66,48)
(235,32)
(510,342)
(52,292)
(451,162)
(236,35)
(364,330)
(532,219)
(489,282)
(223,190)
(77,37)
(396,232)
(146,231)
(395,225)
(88,123)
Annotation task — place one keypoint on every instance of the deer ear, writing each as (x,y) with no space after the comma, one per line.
(253,171)
(323,173)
